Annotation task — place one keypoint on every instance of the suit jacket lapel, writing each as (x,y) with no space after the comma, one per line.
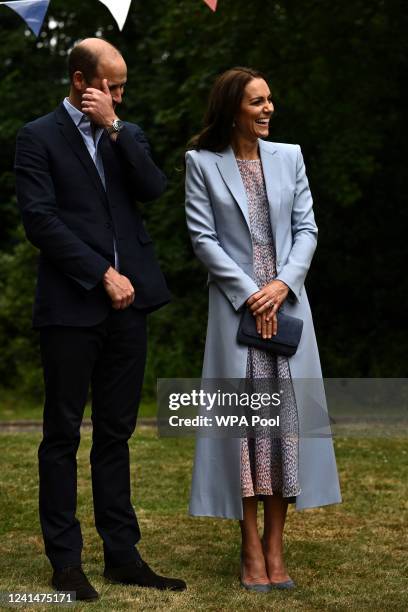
(75,140)
(271,167)
(228,167)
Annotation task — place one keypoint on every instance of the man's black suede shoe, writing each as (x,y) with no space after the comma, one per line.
(140,574)
(74,579)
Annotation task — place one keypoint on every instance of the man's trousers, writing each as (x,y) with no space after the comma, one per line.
(110,359)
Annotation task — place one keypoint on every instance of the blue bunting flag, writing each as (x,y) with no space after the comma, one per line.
(32,11)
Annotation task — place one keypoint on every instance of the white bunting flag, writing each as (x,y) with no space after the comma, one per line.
(119,10)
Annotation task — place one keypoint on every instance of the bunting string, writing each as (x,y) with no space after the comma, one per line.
(33,12)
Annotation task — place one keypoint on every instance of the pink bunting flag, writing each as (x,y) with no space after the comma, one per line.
(212,4)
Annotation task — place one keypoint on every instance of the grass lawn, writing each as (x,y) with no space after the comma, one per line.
(350,556)
(15,408)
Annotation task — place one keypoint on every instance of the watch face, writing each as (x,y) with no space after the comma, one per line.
(117,125)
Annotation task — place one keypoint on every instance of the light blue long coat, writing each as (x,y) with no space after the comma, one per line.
(218,223)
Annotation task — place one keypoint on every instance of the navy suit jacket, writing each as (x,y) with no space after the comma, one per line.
(72,219)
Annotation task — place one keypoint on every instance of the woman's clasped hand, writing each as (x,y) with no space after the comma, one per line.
(264,305)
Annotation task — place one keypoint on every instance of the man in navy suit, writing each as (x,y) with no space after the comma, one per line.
(80,171)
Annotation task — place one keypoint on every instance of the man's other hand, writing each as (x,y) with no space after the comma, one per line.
(119,288)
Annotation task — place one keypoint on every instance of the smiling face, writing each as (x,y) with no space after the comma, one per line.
(252,119)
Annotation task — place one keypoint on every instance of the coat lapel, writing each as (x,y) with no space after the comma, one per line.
(271,167)
(228,167)
(75,140)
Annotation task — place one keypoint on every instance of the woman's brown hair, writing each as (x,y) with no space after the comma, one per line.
(223,104)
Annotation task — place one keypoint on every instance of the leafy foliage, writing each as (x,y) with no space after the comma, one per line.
(336,74)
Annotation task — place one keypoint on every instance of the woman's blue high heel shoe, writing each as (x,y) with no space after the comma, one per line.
(286,584)
(257,588)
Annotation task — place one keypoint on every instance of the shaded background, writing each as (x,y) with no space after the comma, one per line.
(337,73)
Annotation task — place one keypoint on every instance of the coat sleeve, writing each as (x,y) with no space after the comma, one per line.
(304,232)
(232,280)
(147,180)
(43,227)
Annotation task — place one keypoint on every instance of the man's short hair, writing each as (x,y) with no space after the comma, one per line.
(83,60)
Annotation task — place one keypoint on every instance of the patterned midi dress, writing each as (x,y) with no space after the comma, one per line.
(269,463)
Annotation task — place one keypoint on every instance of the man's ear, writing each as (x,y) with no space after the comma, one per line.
(78,81)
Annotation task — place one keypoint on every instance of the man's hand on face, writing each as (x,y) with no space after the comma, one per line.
(119,288)
(98,105)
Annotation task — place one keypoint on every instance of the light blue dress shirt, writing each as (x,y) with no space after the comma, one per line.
(91,141)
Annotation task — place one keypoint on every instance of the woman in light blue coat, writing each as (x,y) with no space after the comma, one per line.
(250,218)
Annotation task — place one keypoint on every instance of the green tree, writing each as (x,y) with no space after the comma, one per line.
(337,75)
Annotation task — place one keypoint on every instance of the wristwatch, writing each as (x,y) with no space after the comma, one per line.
(116,127)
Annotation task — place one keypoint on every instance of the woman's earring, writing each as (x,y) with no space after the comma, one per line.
(233,124)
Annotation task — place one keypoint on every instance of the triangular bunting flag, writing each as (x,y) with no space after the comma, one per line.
(119,10)
(212,4)
(32,11)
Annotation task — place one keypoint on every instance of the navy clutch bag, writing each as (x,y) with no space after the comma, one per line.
(284,343)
